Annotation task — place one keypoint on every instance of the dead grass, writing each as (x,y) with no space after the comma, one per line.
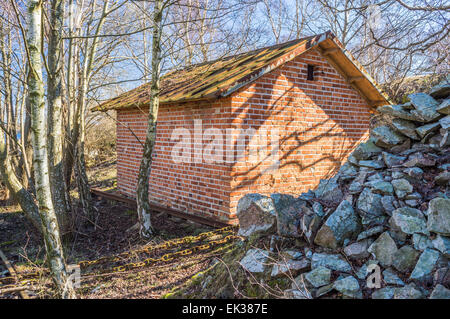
(24,247)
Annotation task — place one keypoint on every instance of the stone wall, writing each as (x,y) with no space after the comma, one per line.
(385,215)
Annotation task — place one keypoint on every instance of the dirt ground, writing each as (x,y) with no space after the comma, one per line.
(109,235)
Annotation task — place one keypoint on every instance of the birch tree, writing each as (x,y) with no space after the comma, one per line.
(15,152)
(59,190)
(143,204)
(49,222)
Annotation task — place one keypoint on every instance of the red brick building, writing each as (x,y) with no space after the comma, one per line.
(310,92)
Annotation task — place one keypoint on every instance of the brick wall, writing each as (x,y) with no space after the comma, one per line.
(196,188)
(319,123)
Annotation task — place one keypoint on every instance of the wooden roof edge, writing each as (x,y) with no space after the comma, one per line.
(339,48)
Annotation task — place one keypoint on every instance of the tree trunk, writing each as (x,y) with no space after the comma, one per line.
(47,213)
(143,204)
(21,195)
(55,117)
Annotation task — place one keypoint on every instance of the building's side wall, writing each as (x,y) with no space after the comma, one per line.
(195,188)
(319,122)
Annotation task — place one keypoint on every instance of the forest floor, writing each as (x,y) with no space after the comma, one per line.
(111,234)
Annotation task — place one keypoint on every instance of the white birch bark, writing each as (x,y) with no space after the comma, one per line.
(60,194)
(143,204)
(47,214)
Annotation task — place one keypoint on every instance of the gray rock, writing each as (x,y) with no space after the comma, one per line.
(353,161)
(408,292)
(391,278)
(397,175)
(392,160)
(443,178)
(288,212)
(425,129)
(444,107)
(384,293)
(348,286)
(414,195)
(323,290)
(256,213)
(440,292)
(366,150)
(369,206)
(445,122)
(318,277)
(357,184)
(383,249)
(414,172)
(405,259)
(425,265)
(388,203)
(355,187)
(439,216)
(381,187)
(442,276)
(358,250)
(406,145)
(425,106)
(445,141)
(342,224)
(290,267)
(397,235)
(329,190)
(375,177)
(442,244)
(318,209)
(419,160)
(309,195)
(292,254)
(398,111)
(372,164)
(330,261)
(308,252)
(412,202)
(386,137)
(255,260)
(370,232)
(441,90)
(402,187)
(347,171)
(409,220)
(405,127)
(421,242)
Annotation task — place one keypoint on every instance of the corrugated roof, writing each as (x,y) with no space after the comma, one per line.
(222,77)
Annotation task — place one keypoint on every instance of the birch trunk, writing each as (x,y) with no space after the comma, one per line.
(47,214)
(75,155)
(54,121)
(20,194)
(143,204)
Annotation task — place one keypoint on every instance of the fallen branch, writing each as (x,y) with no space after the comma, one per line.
(17,289)
(13,273)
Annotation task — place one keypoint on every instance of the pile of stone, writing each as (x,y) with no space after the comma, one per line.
(380,228)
